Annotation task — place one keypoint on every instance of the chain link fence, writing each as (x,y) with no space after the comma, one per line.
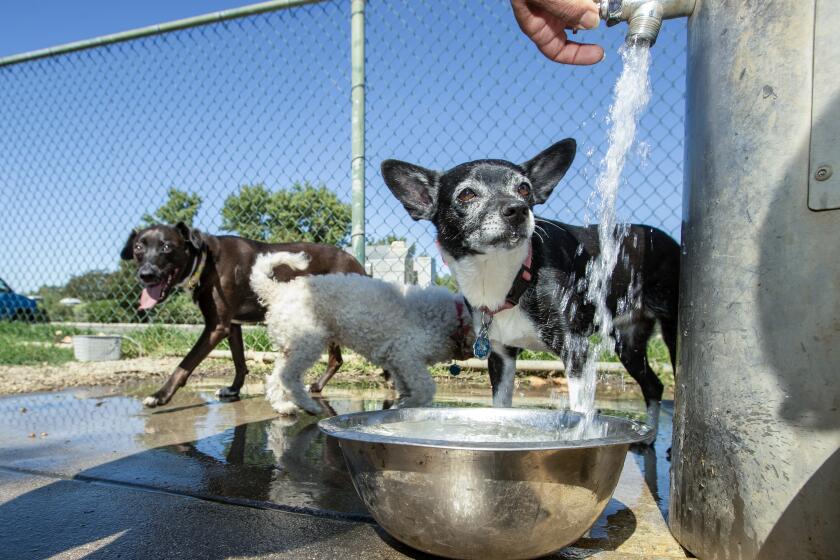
(243,126)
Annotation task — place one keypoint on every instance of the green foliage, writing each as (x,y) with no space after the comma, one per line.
(104,311)
(300,213)
(108,297)
(178,309)
(158,341)
(50,297)
(447,282)
(27,344)
(88,286)
(181,206)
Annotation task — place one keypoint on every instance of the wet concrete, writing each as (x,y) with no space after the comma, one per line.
(136,467)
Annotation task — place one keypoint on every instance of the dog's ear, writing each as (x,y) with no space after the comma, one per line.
(127,252)
(416,187)
(546,170)
(191,235)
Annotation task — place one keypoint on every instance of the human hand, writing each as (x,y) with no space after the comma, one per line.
(546,21)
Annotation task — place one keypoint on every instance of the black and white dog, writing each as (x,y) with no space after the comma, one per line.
(525,277)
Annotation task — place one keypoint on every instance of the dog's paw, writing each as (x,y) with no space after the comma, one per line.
(227,394)
(285,408)
(314,410)
(153,401)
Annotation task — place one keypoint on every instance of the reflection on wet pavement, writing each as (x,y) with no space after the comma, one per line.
(242,452)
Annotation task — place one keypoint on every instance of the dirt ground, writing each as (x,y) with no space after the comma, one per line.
(32,379)
(29,379)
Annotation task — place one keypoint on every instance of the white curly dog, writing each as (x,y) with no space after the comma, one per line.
(402,329)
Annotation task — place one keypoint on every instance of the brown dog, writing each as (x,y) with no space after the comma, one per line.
(217,270)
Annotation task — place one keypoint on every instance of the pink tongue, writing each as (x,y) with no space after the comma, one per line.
(151,296)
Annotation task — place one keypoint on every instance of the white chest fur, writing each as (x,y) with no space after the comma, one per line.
(486,279)
(513,327)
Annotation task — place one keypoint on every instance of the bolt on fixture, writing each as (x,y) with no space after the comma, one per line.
(823,173)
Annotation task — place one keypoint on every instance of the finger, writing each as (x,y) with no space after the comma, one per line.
(581,54)
(573,13)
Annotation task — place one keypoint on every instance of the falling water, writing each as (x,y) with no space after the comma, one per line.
(631,95)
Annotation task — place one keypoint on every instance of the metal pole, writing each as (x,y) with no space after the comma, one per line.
(357,134)
(215,17)
(756,448)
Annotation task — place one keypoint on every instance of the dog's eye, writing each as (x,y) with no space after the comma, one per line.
(166,247)
(138,248)
(524,189)
(466,195)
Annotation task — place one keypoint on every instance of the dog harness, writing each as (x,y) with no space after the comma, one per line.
(521,283)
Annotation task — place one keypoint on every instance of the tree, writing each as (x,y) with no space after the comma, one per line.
(88,286)
(181,206)
(447,282)
(99,284)
(301,213)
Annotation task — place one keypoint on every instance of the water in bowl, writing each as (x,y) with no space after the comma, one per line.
(504,431)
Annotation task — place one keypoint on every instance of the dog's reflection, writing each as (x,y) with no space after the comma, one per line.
(284,460)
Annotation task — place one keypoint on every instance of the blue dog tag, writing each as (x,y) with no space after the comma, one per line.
(481,347)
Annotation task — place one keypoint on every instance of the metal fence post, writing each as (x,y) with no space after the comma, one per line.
(357,134)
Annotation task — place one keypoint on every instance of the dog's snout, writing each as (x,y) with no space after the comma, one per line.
(515,212)
(148,273)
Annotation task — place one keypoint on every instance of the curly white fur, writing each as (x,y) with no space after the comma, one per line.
(402,329)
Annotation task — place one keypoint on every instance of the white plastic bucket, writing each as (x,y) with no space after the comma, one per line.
(97,348)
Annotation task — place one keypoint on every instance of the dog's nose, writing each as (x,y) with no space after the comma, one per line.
(515,212)
(148,277)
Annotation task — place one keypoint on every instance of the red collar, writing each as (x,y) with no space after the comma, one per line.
(463,348)
(463,325)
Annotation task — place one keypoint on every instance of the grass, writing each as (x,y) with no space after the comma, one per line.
(657,351)
(23,344)
(28,344)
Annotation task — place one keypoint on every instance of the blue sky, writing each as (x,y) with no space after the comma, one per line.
(92,140)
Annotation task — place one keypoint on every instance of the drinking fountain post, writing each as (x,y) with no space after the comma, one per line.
(756,447)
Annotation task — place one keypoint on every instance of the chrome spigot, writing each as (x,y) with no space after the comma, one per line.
(643,17)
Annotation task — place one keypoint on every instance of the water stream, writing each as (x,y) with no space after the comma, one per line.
(631,96)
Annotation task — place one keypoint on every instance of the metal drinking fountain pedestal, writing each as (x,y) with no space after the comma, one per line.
(756,467)
(756,450)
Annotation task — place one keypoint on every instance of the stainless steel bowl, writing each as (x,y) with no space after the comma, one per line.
(483,499)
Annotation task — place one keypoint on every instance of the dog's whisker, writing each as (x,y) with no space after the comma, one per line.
(537,230)
(541,220)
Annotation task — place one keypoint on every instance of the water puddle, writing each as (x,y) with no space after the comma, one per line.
(243,453)
(239,451)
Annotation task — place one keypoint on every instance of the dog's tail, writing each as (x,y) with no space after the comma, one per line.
(262,274)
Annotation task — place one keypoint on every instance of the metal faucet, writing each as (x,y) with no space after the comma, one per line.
(643,17)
